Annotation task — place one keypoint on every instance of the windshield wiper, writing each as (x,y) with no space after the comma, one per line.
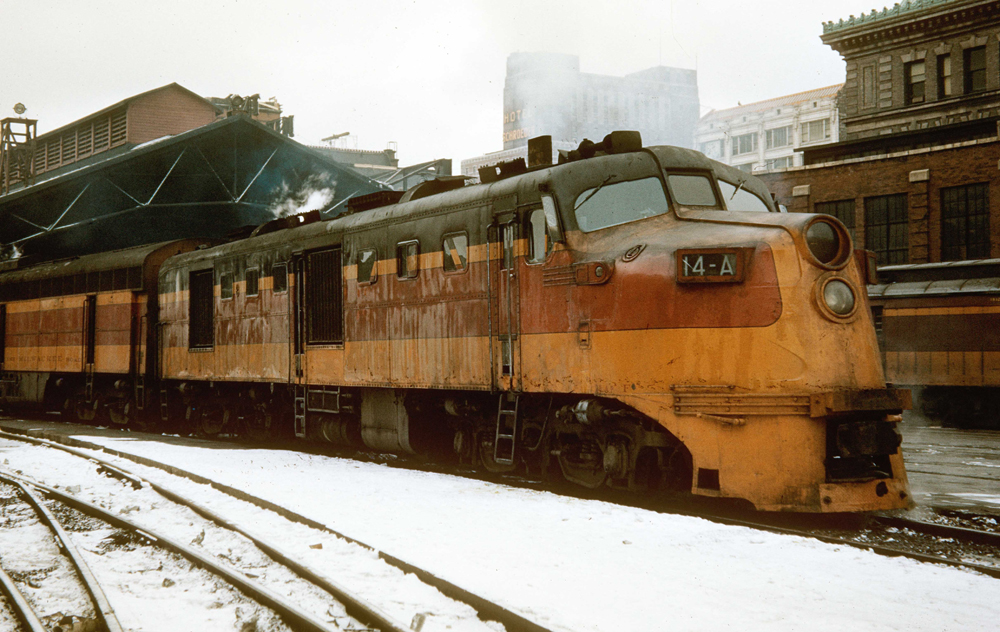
(738,187)
(594,192)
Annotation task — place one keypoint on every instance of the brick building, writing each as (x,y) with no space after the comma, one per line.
(915,172)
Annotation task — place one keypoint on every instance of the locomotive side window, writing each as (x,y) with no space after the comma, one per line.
(613,204)
(279,278)
(366,266)
(226,286)
(691,190)
(741,199)
(324,298)
(407,259)
(538,245)
(253,281)
(201,327)
(456,252)
(3,333)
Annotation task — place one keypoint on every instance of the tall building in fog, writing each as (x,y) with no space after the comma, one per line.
(545,93)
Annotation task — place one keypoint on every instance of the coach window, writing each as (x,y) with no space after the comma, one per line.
(253,281)
(539,245)
(226,286)
(456,252)
(279,278)
(367,270)
(407,259)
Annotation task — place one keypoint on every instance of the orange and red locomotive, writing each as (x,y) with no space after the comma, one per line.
(639,318)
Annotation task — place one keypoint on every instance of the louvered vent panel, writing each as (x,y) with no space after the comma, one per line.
(118,128)
(52,154)
(101,134)
(84,140)
(69,147)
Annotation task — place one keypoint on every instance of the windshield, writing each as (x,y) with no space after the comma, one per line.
(612,204)
(743,200)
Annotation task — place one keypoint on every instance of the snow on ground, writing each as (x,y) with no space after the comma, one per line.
(586,565)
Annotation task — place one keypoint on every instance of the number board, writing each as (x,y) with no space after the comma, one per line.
(712,265)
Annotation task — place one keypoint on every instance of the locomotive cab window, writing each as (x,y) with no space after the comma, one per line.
(226,286)
(407,259)
(609,205)
(539,244)
(739,199)
(367,272)
(455,248)
(279,278)
(692,190)
(253,281)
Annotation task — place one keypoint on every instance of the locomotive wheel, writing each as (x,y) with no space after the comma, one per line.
(486,456)
(120,413)
(258,424)
(208,420)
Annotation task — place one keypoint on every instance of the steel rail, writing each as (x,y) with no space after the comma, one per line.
(293,615)
(104,609)
(974,536)
(487,610)
(22,609)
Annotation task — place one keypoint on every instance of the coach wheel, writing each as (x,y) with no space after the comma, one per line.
(120,413)
(259,423)
(86,411)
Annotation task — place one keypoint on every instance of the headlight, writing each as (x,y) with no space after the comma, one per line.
(839,297)
(828,242)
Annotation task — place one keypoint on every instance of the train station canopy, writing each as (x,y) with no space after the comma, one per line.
(206,182)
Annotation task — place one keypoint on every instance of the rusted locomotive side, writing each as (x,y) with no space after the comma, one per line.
(80,334)
(938,330)
(624,320)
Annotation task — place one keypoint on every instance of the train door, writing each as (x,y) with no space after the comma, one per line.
(90,344)
(505,306)
(298,342)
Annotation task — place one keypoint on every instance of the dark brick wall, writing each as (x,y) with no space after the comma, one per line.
(171,110)
(960,165)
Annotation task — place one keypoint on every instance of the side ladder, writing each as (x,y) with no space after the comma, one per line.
(506,436)
(300,410)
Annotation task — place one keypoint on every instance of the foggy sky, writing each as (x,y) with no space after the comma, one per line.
(426,74)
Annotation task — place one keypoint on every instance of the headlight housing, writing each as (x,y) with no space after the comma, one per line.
(827,242)
(837,298)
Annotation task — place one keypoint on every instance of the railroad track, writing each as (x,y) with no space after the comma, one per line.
(460,610)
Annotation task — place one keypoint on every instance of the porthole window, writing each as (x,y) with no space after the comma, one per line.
(367,270)
(455,248)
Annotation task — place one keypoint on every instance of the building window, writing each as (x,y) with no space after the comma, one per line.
(944,76)
(746,167)
(714,149)
(815,131)
(965,222)
(778,137)
(887,229)
(745,144)
(868,86)
(841,209)
(915,74)
(975,69)
(781,163)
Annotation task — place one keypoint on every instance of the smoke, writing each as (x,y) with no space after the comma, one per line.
(10,252)
(315,193)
